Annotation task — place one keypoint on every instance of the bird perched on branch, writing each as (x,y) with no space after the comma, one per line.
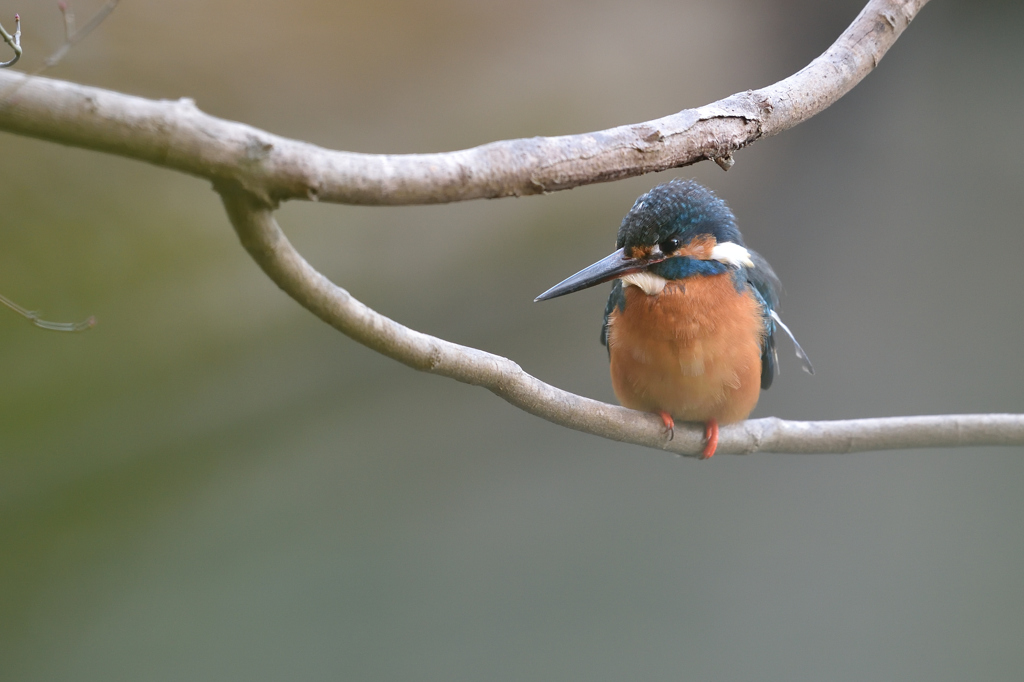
(690,323)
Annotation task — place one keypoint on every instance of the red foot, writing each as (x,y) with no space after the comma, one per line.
(669,423)
(711,436)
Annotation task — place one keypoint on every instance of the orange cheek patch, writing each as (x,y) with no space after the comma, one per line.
(640,252)
(699,248)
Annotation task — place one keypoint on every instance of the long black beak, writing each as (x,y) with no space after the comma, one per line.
(609,267)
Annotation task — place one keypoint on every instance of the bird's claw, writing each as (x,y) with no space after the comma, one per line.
(710,439)
(669,423)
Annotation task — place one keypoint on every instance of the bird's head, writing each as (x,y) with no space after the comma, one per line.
(674,231)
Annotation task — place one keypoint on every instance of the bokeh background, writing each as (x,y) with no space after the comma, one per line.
(214,485)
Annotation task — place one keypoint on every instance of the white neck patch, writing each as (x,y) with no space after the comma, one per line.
(732,254)
(648,282)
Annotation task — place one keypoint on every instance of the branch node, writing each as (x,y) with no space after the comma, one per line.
(535,185)
(434,358)
(257,150)
(654,136)
(725,162)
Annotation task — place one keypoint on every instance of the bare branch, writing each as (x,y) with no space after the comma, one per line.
(14,41)
(270,248)
(33,317)
(253,170)
(177,135)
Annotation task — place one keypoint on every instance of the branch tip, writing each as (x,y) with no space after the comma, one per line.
(33,317)
(69,20)
(14,41)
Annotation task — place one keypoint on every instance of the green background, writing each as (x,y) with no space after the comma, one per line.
(214,485)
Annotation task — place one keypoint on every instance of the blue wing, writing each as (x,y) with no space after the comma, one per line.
(765,285)
(617,299)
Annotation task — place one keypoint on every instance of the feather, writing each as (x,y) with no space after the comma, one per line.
(805,362)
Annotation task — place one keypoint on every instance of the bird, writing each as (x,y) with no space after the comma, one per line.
(691,319)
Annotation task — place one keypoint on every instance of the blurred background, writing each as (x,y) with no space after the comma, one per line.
(214,485)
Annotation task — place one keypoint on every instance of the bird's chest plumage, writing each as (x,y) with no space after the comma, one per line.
(693,350)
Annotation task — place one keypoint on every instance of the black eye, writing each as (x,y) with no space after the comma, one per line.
(671,245)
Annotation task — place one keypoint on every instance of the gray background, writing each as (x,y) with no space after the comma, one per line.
(213,485)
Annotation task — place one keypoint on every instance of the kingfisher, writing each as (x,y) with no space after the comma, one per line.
(690,323)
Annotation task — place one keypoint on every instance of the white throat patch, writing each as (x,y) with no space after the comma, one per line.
(648,282)
(732,254)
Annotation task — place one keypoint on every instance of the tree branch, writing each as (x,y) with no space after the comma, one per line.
(254,170)
(177,135)
(270,248)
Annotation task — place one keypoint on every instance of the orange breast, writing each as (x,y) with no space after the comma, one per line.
(694,350)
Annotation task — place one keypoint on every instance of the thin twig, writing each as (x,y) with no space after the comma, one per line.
(71,36)
(69,20)
(14,41)
(34,318)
